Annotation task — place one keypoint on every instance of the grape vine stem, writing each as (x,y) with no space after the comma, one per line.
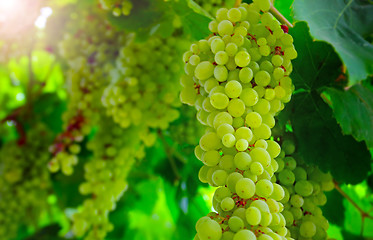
(363,214)
(280,17)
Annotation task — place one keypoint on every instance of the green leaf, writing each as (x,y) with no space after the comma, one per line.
(194,24)
(49,107)
(316,64)
(353,110)
(145,15)
(333,210)
(321,142)
(336,22)
(46,233)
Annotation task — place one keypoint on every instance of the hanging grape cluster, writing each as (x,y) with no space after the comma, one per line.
(304,187)
(238,80)
(24,180)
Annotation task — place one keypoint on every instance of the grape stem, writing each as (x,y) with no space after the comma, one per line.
(363,214)
(169,155)
(237,3)
(280,17)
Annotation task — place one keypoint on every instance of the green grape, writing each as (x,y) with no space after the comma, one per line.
(246,75)
(286,177)
(232,180)
(256,168)
(221,193)
(233,89)
(219,177)
(234,15)
(204,70)
(227,163)
(253,119)
(242,160)
(202,174)
(225,27)
(236,107)
(262,78)
(290,163)
(222,118)
(245,188)
(221,57)
(209,230)
(244,235)
(242,59)
(228,140)
(262,107)
(303,188)
(231,49)
(261,155)
(264,188)
(211,158)
(242,145)
(227,204)
(307,229)
(244,133)
(220,73)
(235,223)
(209,141)
(224,129)
(253,216)
(296,200)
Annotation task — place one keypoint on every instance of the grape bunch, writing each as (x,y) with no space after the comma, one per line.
(85,49)
(24,181)
(118,7)
(137,95)
(238,80)
(115,151)
(304,187)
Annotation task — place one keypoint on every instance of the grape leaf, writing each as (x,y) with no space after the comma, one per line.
(193,23)
(49,108)
(322,142)
(144,15)
(47,232)
(311,69)
(333,210)
(353,110)
(336,23)
(312,119)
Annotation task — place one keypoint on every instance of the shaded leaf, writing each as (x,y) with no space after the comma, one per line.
(334,210)
(353,110)
(317,63)
(321,142)
(335,22)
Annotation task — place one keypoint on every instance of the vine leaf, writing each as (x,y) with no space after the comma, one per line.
(321,140)
(343,25)
(353,110)
(334,210)
(311,69)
